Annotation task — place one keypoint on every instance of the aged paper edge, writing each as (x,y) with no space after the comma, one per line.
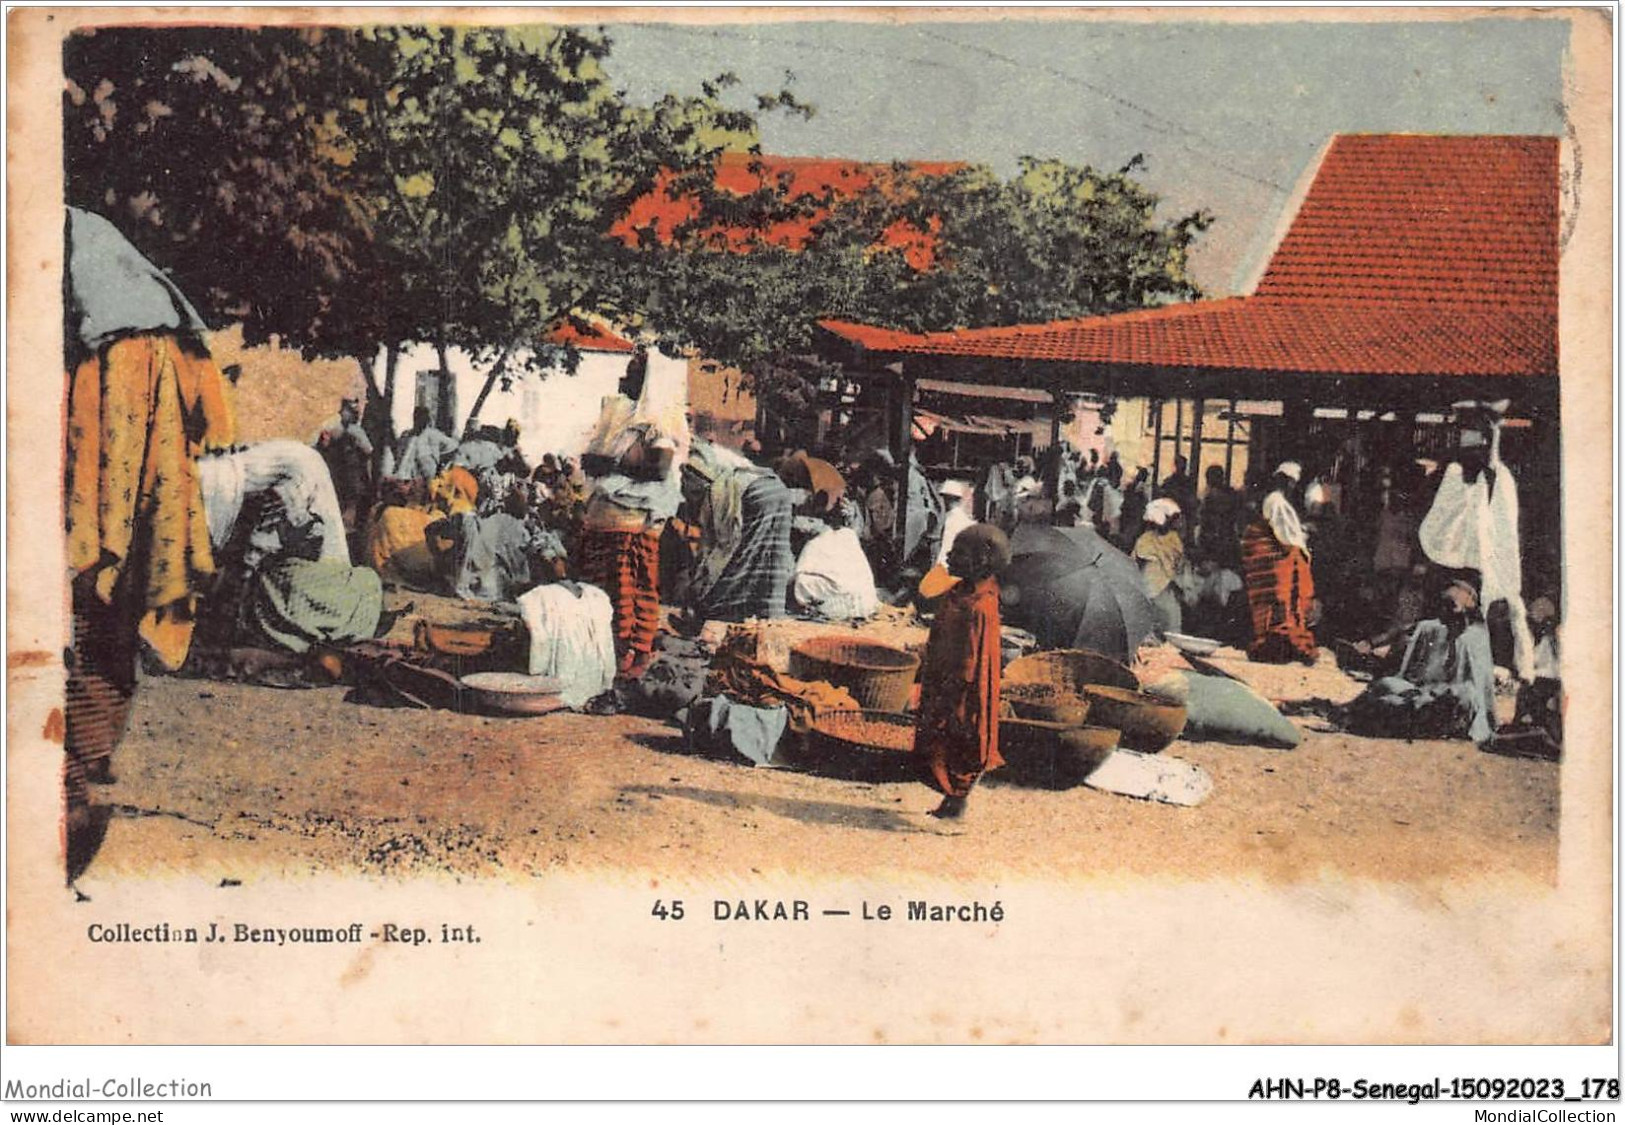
(1545,976)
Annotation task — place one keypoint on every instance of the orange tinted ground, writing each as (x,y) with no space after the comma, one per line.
(241,782)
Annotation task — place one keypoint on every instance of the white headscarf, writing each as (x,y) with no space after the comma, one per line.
(1160,511)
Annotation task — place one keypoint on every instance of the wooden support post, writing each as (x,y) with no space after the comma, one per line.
(1352,483)
(1230,446)
(1052,479)
(1156,438)
(903,450)
(1179,431)
(1195,467)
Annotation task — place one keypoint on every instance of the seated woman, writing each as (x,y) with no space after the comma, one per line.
(285,582)
(1381,651)
(494,557)
(1215,605)
(1540,703)
(397,539)
(832,576)
(1446,683)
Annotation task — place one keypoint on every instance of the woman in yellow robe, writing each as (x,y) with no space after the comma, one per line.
(140,411)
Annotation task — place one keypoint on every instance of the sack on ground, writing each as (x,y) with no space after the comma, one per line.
(1219,709)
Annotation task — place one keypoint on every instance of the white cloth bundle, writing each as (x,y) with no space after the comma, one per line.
(294,472)
(833,578)
(571,639)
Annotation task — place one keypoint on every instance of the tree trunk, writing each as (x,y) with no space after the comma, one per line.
(490,381)
(392,357)
(379,418)
(445,398)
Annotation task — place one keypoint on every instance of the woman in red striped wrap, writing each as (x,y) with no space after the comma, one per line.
(634,453)
(1280,587)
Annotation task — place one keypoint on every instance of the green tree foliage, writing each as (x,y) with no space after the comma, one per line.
(348,189)
(915,251)
(202,146)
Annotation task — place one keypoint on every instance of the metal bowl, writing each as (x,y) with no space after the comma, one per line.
(513,693)
(1196,646)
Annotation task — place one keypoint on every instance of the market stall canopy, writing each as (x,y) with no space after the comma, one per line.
(928,422)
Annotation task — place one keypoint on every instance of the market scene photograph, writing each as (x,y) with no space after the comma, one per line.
(958,448)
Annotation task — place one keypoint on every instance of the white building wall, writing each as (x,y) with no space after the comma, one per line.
(556,411)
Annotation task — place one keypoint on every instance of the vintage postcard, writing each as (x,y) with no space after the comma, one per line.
(833,526)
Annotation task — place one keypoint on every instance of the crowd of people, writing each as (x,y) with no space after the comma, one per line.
(589,553)
(656,515)
(184,546)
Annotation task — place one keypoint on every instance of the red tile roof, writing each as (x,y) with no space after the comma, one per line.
(1262,334)
(743,173)
(588,337)
(1425,218)
(1410,255)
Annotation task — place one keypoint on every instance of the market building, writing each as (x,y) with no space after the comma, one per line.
(1415,272)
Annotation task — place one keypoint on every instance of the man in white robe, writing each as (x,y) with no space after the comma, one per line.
(1473,523)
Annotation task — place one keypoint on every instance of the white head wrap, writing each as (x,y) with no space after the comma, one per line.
(1290,469)
(1160,511)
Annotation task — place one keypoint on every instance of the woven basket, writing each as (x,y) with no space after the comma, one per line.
(1147,722)
(878,676)
(468,639)
(1046,702)
(847,744)
(1040,756)
(1071,669)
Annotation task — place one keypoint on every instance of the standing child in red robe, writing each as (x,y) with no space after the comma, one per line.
(957,730)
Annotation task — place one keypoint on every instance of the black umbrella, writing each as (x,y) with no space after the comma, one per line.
(1072,589)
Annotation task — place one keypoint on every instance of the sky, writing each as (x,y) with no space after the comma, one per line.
(1228,116)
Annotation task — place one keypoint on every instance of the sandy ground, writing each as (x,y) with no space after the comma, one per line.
(240,782)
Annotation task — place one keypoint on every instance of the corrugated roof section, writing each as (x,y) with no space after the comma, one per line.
(983,390)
